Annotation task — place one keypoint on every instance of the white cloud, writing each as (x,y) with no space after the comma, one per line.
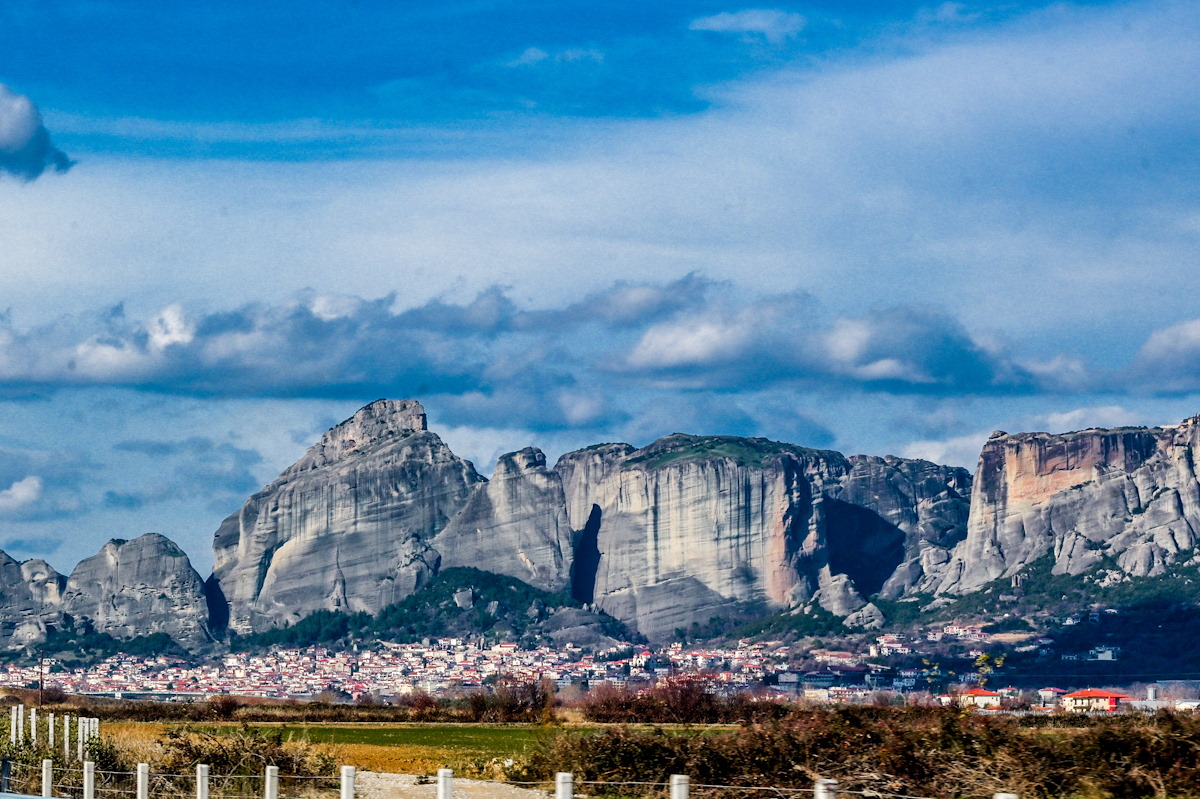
(957,451)
(1084,418)
(21,494)
(772,24)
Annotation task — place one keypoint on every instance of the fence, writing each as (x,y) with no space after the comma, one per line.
(88,782)
(48,728)
(49,781)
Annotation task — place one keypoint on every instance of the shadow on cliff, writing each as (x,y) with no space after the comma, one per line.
(862,545)
(587,559)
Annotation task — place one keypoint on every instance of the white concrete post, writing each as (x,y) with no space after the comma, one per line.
(89,780)
(201,781)
(47,777)
(1004,796)
(825,789)
(271,783)
(21,723)
(80,725)
(12,726)
(66,737)
(143,781)
(445,783)
(680,785)
(564,785)
(33,725)
(347,782)
(50,739)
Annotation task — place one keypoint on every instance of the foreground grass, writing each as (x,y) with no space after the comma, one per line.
(400,748)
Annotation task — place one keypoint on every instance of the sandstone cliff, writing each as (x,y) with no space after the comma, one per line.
(140,587)
(1127,497)
(345,528)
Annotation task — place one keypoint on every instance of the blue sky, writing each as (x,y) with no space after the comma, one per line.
(891,228)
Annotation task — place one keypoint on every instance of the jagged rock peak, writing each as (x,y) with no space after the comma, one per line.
(373,425)
(530,459)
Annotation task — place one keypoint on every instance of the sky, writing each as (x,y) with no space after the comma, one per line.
(877,227)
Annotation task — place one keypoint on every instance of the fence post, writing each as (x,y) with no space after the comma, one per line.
(347,782)
(47,777)
(680,785)
(564,785)
(79,725)
(271,783)
(1004,796)
(12,727)
(6,776)
(825,789)
(66,738)
(89,780)
(20,723)
(50,730)
(33,725)
(143,781)
(201,781)
(445,783)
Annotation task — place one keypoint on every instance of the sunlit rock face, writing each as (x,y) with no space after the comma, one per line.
(694,528)
(515,524)
(347,527)
(139,587)
(30,600)
(1125,496)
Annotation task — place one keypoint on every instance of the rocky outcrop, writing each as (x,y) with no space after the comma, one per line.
(1128,497)
(345,528)
(691,528)
(30,600)
(928,502)
(139,587)
(515,524)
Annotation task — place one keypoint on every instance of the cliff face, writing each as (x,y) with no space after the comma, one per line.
(691,528)
(1127,495)
(345,528)
(30,600)
(515,524)
(140,587)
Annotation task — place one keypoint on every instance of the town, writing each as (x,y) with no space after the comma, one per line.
(383,671)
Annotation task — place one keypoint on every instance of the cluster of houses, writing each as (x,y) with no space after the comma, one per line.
(435,667)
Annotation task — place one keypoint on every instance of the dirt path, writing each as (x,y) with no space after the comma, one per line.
(381,785)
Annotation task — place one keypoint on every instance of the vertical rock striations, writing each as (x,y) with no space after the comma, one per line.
(515,524)
(30,600)
(691,528)
(345,528)
(1127,496)
(140,587)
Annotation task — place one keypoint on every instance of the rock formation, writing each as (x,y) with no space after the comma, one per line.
(691,528)
(140,587)
(515,524)
(345,528)
(1127,496)
(30,600)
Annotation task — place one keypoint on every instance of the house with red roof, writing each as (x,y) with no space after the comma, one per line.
(1091,700)
(979,697)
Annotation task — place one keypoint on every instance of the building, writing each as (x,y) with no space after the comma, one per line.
(1092,700)
(979,697)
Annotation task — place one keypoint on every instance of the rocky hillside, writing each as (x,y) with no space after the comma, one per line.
(684,533)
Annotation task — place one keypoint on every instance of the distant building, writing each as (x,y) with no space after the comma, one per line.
(1093,700)
(979,697)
